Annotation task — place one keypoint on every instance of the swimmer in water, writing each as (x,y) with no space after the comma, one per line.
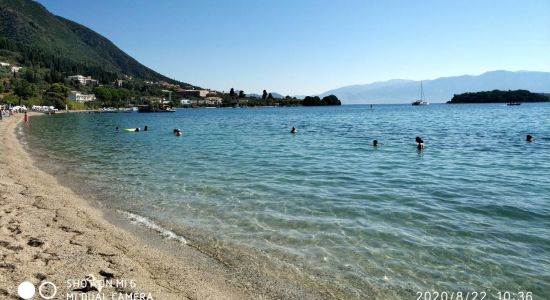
(529,138)
(293,130)
(136,130)
(420,143)
(145,128)
(375,143)
(116,129)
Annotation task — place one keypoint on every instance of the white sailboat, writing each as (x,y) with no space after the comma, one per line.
(421,100)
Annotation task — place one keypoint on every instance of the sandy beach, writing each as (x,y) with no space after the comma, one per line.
(51,235)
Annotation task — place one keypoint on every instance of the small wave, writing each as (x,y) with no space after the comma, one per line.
(143,221)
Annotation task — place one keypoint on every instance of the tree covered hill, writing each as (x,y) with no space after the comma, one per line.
(497,96)
(31,36)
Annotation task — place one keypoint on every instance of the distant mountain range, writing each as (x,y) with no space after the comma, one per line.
(441,89)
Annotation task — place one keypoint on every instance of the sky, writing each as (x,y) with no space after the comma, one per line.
(305,47)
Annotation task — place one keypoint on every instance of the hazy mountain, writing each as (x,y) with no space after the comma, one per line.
(442,89)
(31,35)
(275,95)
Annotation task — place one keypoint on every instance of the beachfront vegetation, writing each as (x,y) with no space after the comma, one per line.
(497,96)
(268,99)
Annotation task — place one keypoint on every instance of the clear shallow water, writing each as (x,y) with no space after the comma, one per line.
(323,207)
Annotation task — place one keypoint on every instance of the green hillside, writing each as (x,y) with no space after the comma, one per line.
(31,36)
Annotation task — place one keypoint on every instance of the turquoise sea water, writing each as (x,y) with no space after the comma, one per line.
(323,208)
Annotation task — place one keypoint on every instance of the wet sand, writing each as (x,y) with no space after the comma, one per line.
(48,233)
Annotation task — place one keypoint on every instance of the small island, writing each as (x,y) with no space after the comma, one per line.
(497,96)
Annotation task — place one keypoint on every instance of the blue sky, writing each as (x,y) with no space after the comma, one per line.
(304,47)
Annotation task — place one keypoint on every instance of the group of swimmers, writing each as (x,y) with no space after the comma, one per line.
(177,131)
(419,141)
(137,129)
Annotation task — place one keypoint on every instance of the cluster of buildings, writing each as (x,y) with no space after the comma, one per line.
(84,80)
(198,97)
(14,69)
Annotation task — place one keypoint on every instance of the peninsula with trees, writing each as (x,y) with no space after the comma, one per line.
(497,96)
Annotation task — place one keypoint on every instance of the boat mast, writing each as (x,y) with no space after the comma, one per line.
(421,92)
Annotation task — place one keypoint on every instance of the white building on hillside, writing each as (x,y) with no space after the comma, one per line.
(82,79)
(16,69)
(4,64)
(193,93)
(79,97)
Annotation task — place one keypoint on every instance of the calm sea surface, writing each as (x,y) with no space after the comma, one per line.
(324,208)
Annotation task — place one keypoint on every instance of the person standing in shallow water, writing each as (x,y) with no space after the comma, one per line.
(26,118)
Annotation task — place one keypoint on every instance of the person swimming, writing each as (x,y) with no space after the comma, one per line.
(137,129)
(375,143)
(145,128)
(177,132)
(293,130)
(116,129)
(419,142)
(529,138)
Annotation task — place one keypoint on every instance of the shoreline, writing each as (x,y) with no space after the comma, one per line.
(48,233)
